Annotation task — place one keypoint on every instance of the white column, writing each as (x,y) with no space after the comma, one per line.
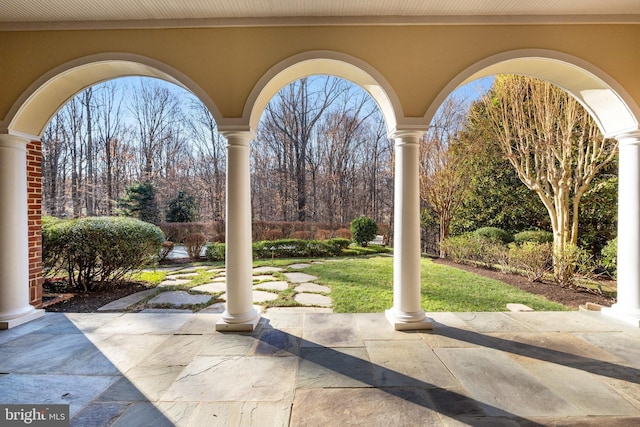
(14,232)
(240,314)
(406,313)
(627,307)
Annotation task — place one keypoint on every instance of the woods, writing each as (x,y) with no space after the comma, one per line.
(321,153)
(523,157)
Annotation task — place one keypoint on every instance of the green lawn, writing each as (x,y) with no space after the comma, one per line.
(365,285)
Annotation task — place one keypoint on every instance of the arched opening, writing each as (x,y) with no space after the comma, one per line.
(406,313)
(615,114)
(24,125)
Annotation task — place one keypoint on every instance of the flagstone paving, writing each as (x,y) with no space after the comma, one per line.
(306,368)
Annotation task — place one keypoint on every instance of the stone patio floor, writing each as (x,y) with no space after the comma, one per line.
(303,368)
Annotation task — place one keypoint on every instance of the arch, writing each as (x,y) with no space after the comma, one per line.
(614,111)
(30,114)
(322,62)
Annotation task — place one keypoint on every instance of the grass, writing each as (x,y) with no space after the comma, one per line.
(365,285)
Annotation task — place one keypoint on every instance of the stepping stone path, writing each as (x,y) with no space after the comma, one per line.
(258,296)
(280,285)
(313,288)
(211,288)
(309,294)
(299,266)
(313,299)
(127,301)
(300,277)
(173,282)
(178,298)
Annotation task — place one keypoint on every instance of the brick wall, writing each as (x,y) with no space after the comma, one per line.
(34,202)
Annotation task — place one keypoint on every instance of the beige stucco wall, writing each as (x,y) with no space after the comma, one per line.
(418,62)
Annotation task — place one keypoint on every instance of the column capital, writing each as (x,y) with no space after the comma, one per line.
(629,138)
(14,141)
(407,132)
(237,135)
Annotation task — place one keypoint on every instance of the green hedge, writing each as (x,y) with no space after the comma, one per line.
(98,250)
(495,233)
(285,248)
(534,236)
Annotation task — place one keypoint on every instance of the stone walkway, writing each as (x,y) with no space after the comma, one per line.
(179,292)
(318,369)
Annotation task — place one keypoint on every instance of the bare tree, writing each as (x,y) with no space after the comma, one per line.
(110,130)
(555,147)
(155,109)
(443,181)
(53,151)
(294,112)
(209,157)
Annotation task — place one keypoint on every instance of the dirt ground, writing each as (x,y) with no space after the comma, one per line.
(90,302)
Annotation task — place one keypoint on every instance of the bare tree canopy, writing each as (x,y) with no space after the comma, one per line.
(443,181)
(321,152)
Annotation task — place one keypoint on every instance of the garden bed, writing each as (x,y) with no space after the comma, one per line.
(571,297)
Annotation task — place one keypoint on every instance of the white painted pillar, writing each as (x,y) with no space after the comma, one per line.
(14,232)
(240,314)
(406,313)
(627,307)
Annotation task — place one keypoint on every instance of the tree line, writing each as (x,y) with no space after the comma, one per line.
(320,154)
(525,156)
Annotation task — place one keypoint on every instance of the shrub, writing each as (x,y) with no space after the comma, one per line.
(534,236)
(466,247)
(215,251)
(472,248)
(363,230)
(494,233)
(610,256)
(194,242)
(533,259)
(99,250)
(571,261)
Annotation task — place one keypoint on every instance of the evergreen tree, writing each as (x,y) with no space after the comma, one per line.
(182,208)
(140,202)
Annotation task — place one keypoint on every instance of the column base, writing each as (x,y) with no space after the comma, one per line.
(632,317)
(407,323)
(243,323)
(24,318)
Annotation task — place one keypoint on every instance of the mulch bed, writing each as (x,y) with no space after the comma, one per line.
(81,302)
(571,297)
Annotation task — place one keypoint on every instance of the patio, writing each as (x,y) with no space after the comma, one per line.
(317,369)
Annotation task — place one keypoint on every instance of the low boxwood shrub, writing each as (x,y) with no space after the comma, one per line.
(535,236)
(215,251)
(495,233)
(99,250)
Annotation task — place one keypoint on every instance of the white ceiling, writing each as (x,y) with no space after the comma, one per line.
(34,14)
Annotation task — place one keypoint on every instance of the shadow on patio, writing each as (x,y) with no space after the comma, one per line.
(297,368)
